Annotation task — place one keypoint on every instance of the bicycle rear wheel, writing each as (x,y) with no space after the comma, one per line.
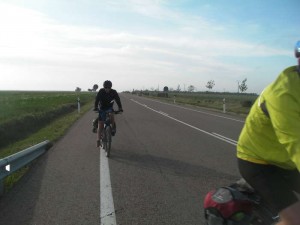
(108,140)
(103,141)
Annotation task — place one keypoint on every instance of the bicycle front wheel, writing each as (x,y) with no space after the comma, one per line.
(108,140)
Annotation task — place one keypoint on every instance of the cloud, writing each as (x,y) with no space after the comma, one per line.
(33,41)
(151,8)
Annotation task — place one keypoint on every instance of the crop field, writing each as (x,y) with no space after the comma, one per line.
(17,104)
(23,112)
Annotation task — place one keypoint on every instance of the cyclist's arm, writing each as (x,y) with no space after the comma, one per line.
(97,100)
(118,101)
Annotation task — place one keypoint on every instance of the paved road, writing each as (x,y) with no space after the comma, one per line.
(164,159)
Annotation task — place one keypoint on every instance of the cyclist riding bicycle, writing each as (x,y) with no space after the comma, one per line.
(104,104)
(268,148)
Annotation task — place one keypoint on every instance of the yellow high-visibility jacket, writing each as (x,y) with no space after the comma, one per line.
(272,136)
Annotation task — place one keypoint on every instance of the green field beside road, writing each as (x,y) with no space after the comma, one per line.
(25,113)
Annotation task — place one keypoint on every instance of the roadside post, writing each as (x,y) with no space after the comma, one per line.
(174,99)
(224,105)
(78,103)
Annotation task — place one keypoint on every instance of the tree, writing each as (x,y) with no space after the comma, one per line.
(178,88)
(243,86)
(210,84)
(78,89)
(191,88)
(95,87)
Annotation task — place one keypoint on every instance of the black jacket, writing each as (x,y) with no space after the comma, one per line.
(104,100)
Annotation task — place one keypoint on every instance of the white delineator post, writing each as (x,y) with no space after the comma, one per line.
(224,105)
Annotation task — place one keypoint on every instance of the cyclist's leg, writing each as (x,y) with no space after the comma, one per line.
(292,177)
(269,182)
(101,120)
(112,120)
(95,125)
(290,215)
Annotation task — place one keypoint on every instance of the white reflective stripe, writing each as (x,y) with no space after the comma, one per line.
(259,102)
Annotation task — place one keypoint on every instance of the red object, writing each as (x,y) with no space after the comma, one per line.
(227,206)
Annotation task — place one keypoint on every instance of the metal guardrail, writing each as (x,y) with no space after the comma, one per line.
(12,163)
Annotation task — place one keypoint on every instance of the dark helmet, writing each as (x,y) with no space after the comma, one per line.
(107,84)
(297,49)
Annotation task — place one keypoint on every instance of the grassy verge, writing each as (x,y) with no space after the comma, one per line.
(52,132)
(235,103)
(23,113)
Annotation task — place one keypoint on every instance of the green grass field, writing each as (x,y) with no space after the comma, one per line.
(24,113)
(16,104)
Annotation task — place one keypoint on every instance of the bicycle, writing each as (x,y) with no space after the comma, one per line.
(106,139)
(244,195)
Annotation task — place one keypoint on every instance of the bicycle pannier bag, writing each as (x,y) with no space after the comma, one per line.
(227,206)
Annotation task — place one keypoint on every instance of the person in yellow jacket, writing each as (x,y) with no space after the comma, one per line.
(268,148)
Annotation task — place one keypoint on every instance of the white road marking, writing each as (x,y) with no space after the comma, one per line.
(163,113)
(211,114)
(215,135)
(107,209)
(226,138)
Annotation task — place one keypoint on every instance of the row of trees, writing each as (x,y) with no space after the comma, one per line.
(242,86)
(95,87)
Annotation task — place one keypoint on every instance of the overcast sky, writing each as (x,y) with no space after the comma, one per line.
(145,44)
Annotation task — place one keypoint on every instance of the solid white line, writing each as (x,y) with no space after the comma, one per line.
(107,209)
(220,137)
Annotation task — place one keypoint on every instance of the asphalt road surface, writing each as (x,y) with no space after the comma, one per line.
(164,159)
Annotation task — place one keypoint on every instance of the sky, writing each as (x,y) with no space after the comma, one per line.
(145,44)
